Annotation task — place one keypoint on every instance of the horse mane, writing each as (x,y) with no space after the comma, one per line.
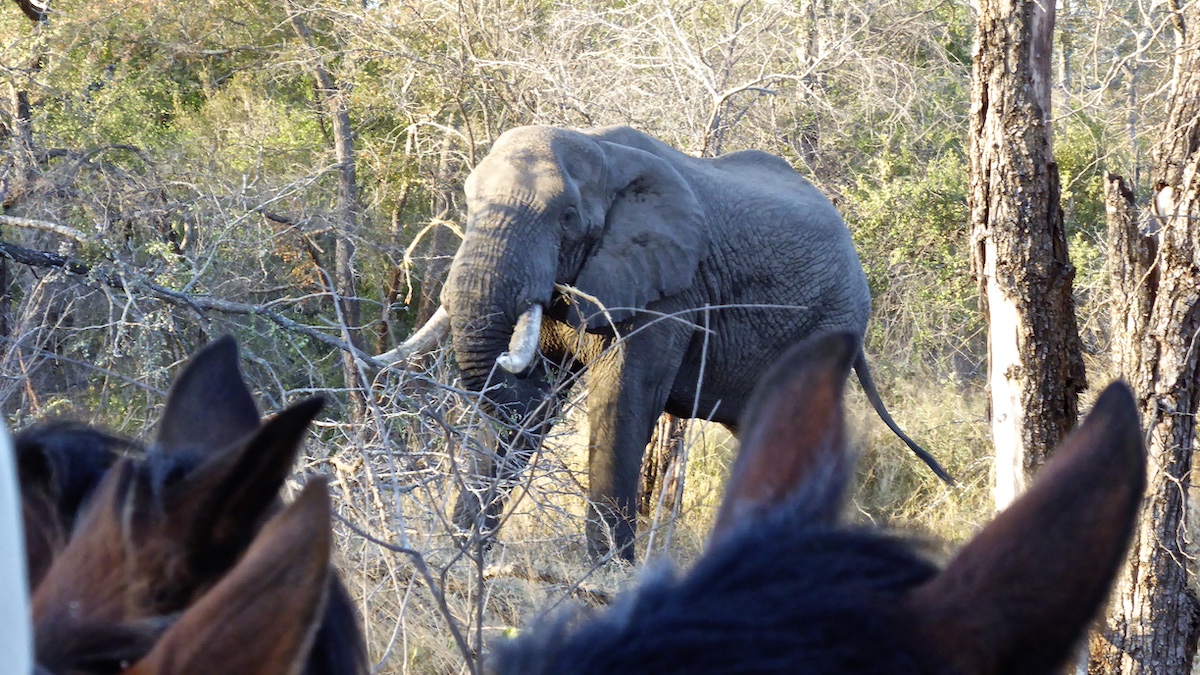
(789,590)
(783,587)
(59,464)
(137,538)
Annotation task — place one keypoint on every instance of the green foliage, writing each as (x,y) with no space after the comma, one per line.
(1080,149)
(190,145)
(123,73)
(255,125)
(909,220)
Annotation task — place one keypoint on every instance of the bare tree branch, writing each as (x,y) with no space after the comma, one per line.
(46,226)
(198,303)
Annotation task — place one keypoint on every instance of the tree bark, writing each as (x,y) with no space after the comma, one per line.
(660,473)
(16,179)
(349,211)
(1133,279)
(442,243)
(20,174)
(386,334)
(1154,617)
(1019,251)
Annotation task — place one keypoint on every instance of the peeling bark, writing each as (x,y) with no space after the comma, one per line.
(1019,250)
(660,471)
(1154,616)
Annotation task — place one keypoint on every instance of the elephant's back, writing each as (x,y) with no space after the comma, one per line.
(756,166)
(783,267)
(750,188)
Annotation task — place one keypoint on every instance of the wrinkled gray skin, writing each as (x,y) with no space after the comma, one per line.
(648,231)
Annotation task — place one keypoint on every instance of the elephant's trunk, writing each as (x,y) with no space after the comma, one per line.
(480,338)
(502,272)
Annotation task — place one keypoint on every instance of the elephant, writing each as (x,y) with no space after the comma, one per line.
(675,281)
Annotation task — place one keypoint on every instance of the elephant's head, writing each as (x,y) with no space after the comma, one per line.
(552,206)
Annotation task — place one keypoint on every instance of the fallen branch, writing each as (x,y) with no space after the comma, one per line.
(526,572)
(45,226)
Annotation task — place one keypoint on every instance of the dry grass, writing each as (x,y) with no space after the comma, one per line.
(396,481)
(897,491)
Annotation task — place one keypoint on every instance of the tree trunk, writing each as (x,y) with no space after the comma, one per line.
(16,180)
(1133,279)
(386,334)
(1154,618)
(660,471)
(1019,251)
(345,285)
(441,240)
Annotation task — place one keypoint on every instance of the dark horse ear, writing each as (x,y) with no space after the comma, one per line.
(262,616)
(209,406)
(792,440)
(219,505)
(59,465)
(1018,597)
(655,235)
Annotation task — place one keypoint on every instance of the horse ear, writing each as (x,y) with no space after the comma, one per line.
(59,465)
(220,503)
(88,582)
(792,437)
(262,615)
(1018,597)
(209,406)
(132,556)
(655,235)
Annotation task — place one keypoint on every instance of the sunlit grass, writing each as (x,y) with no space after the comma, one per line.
(541,564)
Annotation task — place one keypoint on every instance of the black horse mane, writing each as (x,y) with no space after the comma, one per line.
(67,461)
(788,590)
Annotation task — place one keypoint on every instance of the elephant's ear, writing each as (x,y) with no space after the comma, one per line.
(655,235)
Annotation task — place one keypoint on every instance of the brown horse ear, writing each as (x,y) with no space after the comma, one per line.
(219,504)
(133,556)
(1018,597)
(792,436)
(262,615)
(87,584)
(209,407)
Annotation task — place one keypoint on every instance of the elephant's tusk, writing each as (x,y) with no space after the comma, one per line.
(421,341)
(524,342)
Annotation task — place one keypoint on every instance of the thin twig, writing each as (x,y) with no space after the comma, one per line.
(418,561)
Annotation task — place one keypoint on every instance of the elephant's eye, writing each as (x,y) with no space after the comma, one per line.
(570,216)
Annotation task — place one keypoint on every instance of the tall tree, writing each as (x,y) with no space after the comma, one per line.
(344,288)
(18,168)
(442,242)
(1019,250)
(1154,620)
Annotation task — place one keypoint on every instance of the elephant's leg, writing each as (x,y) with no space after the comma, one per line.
(491,475)
(482,496)
(628,389)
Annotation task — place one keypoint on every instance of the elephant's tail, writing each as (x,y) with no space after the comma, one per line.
(868,385)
